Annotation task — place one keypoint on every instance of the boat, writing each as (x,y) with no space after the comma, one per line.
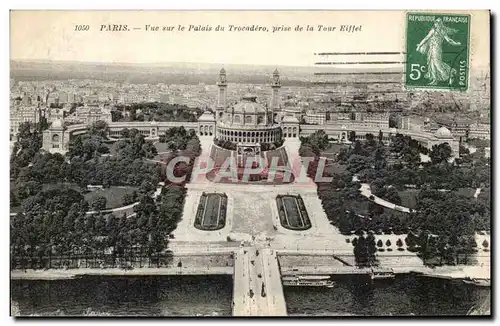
(382,274)
(478,281)
(308,280)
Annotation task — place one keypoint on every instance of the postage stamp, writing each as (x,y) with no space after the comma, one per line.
(437,51)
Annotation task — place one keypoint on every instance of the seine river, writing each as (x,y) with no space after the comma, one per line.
(212,296)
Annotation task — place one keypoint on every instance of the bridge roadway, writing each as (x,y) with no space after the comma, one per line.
(257,283)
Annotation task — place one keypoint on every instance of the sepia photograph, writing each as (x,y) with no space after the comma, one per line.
(290,163)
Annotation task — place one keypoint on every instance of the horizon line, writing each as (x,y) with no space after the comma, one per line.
(157,63)
(166,63)
(312,65)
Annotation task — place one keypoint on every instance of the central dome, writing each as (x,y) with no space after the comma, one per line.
(249,97)
(249,105)
(443,132)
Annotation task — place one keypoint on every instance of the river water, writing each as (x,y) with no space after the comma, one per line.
(212,296)
(405,295)
(126,296)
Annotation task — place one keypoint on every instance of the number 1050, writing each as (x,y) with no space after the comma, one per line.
(81,28)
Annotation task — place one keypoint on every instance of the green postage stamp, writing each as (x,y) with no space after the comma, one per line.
(437,51)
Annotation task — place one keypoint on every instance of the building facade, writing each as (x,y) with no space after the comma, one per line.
(314,117)
(481,130)
(23,110)
(247,122)
(19,114)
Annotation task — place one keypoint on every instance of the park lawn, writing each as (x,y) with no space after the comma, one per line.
(467,192)
(358,206)
(479,143)
(50,186)
(211,212)
(333,167)
(361,207)
(333,149)
(165,157)
(292,211)
(161,147)
(409,197)
(16,209)
(114,195)
(212,208)
(112,147)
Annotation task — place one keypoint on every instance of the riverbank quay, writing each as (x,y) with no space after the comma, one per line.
(448,272)
(60,274)
(287,267)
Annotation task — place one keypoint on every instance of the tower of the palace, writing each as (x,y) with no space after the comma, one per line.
(275,85)
(222,96)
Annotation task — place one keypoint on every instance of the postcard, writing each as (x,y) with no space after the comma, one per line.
(250,163)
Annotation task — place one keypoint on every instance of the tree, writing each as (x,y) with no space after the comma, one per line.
(485,243)
(26,148)
(378,187)
(371,248)
(100,224)
(380,243)
(440,153)
(379,154)
(357,163)
(364,250)
(392,196)
(360,251)
(317,141)
(463,151)
(149,150)
(352,136)
(128,199)
(358,148)
(14,201)
(46,223)
(116,115)
(320,140)
(388,243)
(125,133)
(87,146)
(98,203)
(370,140)
(172,146)
(99,128)
(147,187)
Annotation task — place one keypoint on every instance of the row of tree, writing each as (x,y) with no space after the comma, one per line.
(54,226)
(156,111)
(441,213)
(177,138)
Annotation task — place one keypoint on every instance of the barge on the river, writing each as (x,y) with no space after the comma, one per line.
(308,280)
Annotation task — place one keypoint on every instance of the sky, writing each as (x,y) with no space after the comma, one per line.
(51,35)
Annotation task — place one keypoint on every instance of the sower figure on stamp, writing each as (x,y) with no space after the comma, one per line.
(432,47)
